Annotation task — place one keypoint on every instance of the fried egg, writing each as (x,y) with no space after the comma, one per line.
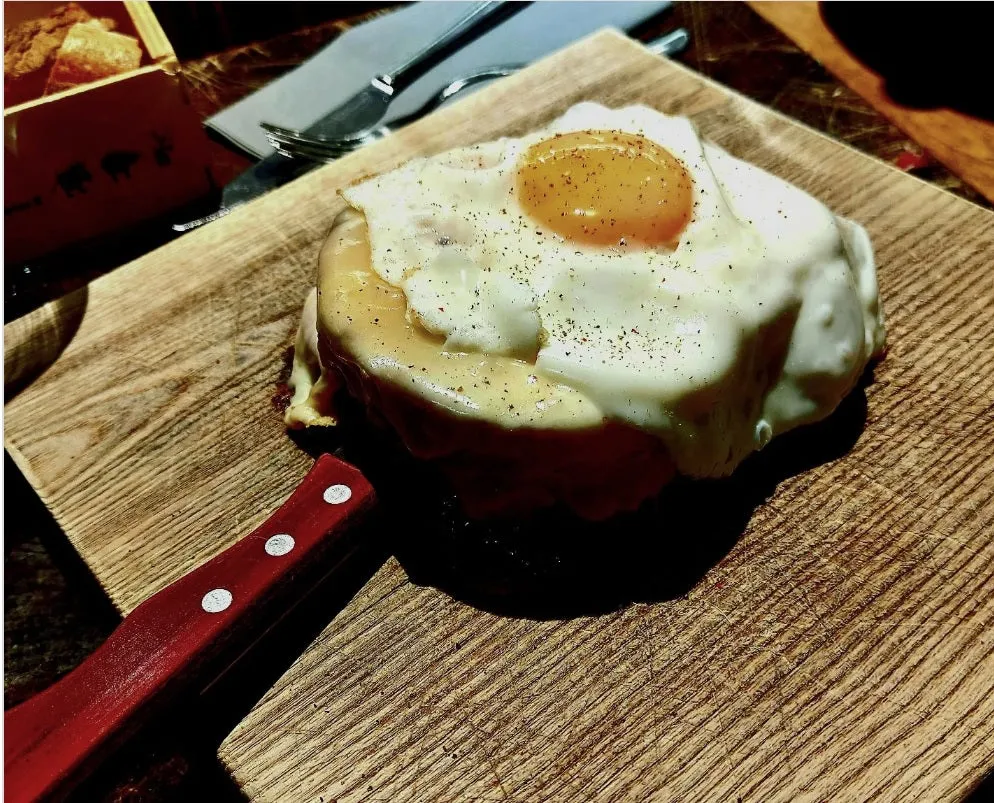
(610,268)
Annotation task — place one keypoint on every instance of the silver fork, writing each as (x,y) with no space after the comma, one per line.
(295,144)
(327,149)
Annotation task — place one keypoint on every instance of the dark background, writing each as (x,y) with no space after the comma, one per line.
(199,29)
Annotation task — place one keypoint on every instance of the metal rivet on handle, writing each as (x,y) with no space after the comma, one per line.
(216,600)
(279,544)
(337,494)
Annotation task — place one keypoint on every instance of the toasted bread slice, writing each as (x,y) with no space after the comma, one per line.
(89,53)
(30,47)
(32,44)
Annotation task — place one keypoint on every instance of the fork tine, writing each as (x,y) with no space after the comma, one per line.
(284,136)
(313,150)
(318,153)
(289,147)
(292,136)
(311,154)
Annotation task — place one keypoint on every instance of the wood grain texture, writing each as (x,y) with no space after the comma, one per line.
(963,143)
(841,650)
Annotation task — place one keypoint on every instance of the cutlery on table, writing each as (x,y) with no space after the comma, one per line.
(364,109)
(297,144)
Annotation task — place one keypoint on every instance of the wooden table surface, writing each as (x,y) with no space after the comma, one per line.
(962,141)
(53,617)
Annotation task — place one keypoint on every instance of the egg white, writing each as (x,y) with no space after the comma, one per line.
(761,319)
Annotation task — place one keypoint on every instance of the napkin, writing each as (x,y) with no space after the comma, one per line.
(341,69)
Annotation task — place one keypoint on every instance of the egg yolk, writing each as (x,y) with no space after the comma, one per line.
(606,188)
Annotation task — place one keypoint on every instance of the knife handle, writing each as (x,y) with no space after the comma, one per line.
(53,739)
(477,21)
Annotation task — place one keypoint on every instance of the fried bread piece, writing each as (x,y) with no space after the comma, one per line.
(89,53)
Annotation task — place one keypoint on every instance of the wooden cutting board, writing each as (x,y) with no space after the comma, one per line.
(841,650)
